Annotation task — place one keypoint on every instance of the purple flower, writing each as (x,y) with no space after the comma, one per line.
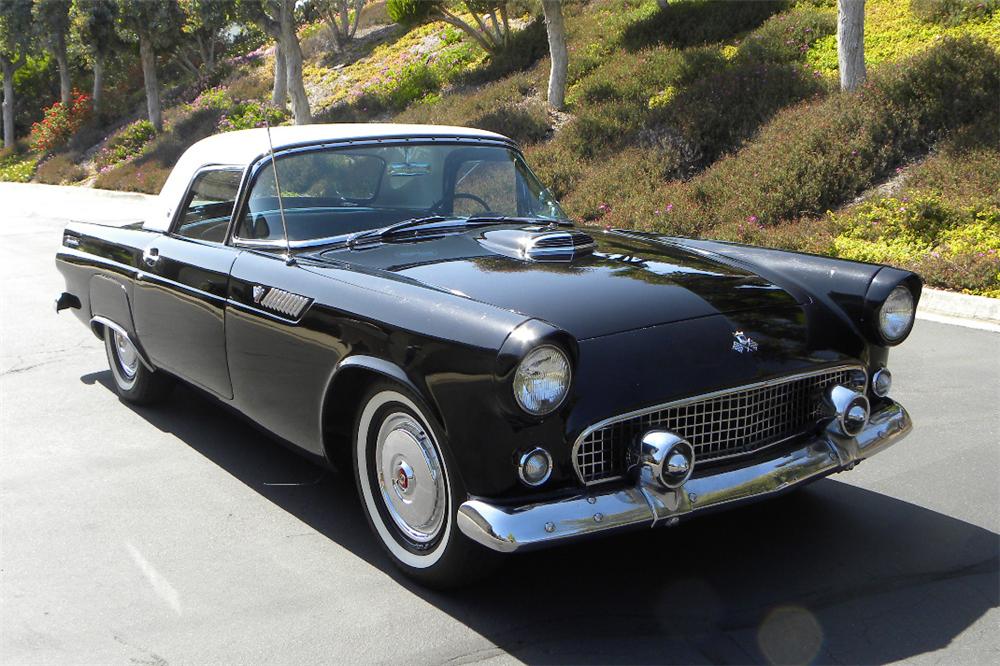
(752,219)
(670,207)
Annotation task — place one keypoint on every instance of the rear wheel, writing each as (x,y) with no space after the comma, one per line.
(134,382)
(409,494)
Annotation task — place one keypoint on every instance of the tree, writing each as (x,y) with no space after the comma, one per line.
(94,24)
(52,22)
(555,27)
(15,40)
(492,33)
(277,19)
(206,26)
(279,92)
(851,43)
(155,26)
(337,14)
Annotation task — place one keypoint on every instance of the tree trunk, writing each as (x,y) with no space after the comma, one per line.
(293,62)
(62,60)
(98,90)
(8,102)
(148,58)
(556,30)
(851,43)
(279,94)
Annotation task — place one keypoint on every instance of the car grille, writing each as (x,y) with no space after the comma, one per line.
(719,425)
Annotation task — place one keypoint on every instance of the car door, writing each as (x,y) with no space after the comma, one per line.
(180,295)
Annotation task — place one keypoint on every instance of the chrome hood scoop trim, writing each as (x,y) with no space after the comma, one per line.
(537,243)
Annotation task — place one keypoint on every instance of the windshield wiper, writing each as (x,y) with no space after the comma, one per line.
(434,223)
(384,232)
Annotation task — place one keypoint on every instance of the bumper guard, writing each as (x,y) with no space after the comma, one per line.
(508,529)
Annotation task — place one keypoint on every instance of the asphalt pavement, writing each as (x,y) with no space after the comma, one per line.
(183,535)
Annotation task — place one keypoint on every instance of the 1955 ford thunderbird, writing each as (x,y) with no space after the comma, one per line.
(410,303)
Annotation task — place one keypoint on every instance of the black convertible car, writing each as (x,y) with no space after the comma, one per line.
(410,303)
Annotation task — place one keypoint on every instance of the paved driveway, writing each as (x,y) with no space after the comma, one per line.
(182,535)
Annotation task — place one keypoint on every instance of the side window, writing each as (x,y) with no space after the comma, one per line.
(209,204)
(486,186)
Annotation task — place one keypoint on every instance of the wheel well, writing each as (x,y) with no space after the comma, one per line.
(340,409)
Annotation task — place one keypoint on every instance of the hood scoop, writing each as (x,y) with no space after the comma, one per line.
(538,243)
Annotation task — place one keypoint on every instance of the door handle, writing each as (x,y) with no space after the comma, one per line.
(150,256)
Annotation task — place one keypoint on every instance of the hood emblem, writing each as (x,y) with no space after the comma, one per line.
(742,343)
(258,293)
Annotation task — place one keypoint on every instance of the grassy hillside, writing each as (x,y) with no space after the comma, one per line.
(707,118)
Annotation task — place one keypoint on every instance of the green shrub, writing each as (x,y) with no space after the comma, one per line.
(16,165)
(694,22)
(408,12)
(125,144)
(247,115)
(819,154)
(956,247)
(60,169)
(510,107)
(131,178)
(953,12)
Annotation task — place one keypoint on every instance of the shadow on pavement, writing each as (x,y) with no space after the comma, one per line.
(831,573)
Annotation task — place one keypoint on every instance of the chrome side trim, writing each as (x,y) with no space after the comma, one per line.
(104,321)
(143,276)
(704,396)
(507,529)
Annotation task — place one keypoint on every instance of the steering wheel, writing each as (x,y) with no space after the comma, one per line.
(473,197)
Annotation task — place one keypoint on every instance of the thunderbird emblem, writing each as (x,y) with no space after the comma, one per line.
(258,293)
(742,343)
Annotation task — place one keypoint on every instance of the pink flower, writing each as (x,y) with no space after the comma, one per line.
(752,219)
(604,208)
(670,207)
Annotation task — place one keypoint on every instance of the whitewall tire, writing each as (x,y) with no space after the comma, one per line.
(408,492)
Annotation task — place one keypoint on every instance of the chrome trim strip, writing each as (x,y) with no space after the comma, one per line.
(507,529)
(704,396)
(104,321)
(152,277)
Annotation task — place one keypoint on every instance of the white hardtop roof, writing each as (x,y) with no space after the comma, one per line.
(242,147)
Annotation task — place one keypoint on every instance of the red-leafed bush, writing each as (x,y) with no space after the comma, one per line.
(61,121)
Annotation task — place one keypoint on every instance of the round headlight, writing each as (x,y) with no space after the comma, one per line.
(896,315)
(542,380)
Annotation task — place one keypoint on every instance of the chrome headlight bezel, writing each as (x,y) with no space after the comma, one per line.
(899,293)
(516,382)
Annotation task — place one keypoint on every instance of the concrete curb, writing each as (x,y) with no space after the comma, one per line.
(951,304)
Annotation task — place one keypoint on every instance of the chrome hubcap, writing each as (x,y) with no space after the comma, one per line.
(128,357)
(410,477)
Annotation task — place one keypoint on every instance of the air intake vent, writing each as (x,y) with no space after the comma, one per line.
(558,245)
(539,243)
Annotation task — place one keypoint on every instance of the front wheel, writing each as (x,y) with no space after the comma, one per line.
(409,494)
(134,382)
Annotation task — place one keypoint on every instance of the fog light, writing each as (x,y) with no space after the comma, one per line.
(535,467)
(882,382)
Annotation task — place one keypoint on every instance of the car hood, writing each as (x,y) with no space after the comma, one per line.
(625,282)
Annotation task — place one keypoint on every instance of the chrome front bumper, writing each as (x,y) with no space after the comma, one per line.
(508,529)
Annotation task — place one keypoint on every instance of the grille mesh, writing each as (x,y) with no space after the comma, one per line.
(734,423)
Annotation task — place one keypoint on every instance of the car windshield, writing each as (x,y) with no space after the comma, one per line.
(331,192)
